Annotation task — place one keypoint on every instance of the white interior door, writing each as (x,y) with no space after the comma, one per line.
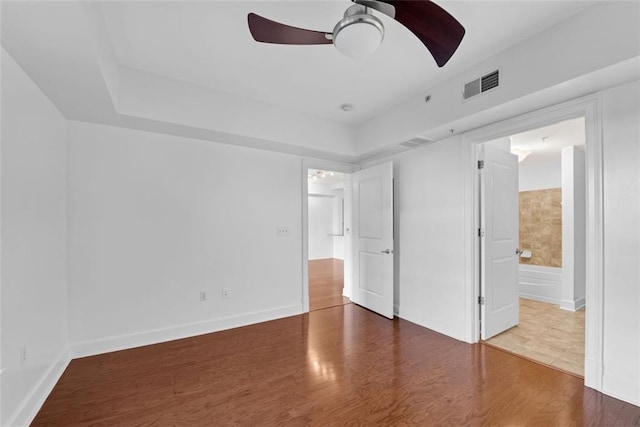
(373,239)
(499,253)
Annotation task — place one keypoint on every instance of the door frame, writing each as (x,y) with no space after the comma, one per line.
(590,108)
(309,163)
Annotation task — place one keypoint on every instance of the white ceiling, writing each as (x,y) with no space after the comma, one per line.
(191,69)
(551,138)
(208,44)
(546,143)
(327,178)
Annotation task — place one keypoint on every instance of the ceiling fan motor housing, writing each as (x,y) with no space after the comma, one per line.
(359,33)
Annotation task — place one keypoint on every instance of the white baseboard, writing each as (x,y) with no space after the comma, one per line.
(573,305)
(539,298)
(621,388)
(416,316)
(593,374)
(28,409)
(155,336)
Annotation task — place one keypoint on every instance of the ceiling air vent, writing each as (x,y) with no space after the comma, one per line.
(482,84)
(416,142)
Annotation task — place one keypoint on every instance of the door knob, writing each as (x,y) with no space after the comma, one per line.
(519,251)
(386,251)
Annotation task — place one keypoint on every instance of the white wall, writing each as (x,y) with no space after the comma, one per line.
(503,144)
(429,227)
(33,248)
(574,228)
(338,224)
(348,237)
(540,171)
(320,226)
(155,219)
(325,221)
(621,145)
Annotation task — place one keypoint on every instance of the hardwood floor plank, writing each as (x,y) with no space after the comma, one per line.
(326,282)
(629,416)
(336,366)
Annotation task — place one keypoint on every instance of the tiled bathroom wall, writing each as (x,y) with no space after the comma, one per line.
(541,226)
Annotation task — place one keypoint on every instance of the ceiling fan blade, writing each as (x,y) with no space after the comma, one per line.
(440,32)
(267,31)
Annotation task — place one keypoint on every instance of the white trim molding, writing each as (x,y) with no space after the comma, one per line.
(29,407)
(588,107)
(573,305)
(594,317)
(156,336)
(623,389)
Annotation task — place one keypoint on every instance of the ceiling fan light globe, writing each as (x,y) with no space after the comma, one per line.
(358,36)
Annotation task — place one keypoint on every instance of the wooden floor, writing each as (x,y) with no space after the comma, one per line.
(547,334)
(337,366)
(326,280)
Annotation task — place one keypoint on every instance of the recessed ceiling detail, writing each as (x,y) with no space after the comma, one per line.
(192,69)
(207,44)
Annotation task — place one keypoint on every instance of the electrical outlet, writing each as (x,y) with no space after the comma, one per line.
(23,355)
(225,293)
(282,231)
(203,296)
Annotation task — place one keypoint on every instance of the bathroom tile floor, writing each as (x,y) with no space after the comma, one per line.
(547,334)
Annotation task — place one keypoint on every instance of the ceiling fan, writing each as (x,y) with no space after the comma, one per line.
(359,33)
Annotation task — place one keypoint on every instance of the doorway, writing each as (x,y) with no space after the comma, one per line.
(326,238)
(551,255)
(367,216)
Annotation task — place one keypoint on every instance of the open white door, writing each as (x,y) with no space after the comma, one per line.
(499,253)
(373,239)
